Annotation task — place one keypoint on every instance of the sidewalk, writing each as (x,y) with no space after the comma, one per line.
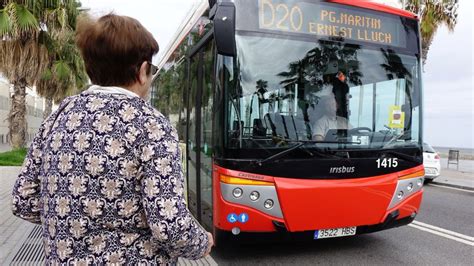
(466,166)
(20,241)
(464,178)
(455,179)
(5,147)
(13,231)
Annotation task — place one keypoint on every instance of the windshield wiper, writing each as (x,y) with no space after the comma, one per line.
(395,138)
(279,154)
(301,144)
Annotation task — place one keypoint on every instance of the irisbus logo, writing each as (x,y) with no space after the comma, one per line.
(342,170)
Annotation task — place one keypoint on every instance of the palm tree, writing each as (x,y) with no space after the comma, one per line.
(23,59)
(310,69)
(394,66)
(432,14)
(25,28)
(65,74)
(297,71)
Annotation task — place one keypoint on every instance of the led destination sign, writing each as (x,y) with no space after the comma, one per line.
(330,20)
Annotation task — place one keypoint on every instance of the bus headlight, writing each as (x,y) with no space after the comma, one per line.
(254,195)
(400,195)
(410,186)
(268,204)
(237,192)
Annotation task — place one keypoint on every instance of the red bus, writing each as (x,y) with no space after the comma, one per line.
(298,117)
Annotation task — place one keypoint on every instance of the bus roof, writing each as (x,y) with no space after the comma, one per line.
(193,15)
(376,6)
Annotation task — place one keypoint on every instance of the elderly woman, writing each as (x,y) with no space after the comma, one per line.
(103,174)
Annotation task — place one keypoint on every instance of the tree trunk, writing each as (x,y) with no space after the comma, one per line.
(17,117)
(48,108)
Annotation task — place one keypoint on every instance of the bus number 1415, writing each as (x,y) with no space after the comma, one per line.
(387,162)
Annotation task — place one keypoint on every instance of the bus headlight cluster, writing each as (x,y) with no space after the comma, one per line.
(263,198)
(254,195)
(406,188)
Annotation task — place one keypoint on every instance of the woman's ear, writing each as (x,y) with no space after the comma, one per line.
(142,73)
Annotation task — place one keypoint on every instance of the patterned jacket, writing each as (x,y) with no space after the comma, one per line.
(105,183)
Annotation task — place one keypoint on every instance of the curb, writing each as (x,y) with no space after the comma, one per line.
(452,185)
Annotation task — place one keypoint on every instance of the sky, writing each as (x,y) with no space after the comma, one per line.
(448,84)
(447,77)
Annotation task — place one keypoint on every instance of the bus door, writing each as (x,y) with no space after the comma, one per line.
(199,143)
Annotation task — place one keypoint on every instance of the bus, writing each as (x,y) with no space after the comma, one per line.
(297,117)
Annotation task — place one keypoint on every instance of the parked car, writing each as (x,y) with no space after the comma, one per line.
(432,162)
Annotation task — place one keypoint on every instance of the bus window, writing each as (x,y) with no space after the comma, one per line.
(206,134)
(388,94)
(360,106)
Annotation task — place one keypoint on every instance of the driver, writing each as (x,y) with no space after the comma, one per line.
(329,120)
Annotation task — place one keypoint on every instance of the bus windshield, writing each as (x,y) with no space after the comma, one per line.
(333,94)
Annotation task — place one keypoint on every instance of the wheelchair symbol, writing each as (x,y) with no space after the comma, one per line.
(232,218)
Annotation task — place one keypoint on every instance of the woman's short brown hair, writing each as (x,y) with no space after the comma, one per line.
(113,48)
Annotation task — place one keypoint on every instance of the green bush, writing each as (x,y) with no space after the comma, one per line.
(13,158)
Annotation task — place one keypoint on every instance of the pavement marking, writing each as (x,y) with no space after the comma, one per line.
(470,238)
(465,239)
(460,189)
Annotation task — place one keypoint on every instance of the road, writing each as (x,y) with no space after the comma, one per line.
(446,208)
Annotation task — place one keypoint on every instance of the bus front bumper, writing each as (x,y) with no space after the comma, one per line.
(281,234)
(369,204)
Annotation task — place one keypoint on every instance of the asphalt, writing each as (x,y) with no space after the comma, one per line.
(450,209)
(399,246)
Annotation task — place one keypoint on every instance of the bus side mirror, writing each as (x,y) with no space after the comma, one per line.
(224,28)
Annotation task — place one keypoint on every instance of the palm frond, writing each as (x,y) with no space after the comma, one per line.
(433,14)
(25,60)
(23,21)
(62,71)
(47,75)
(5,23)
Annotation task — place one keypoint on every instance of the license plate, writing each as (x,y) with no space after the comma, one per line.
(430,171)
(336,232)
